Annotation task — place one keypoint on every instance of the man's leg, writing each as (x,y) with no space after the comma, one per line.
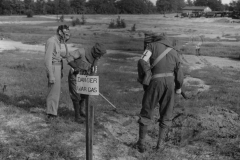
(75,97)
(142,135)
(150,99)
(82,102)
(166,108)
(54,92)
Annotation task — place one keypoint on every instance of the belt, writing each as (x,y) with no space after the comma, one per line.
(162,75)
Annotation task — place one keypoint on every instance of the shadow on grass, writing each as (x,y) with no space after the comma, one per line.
(235,58)
(29,103)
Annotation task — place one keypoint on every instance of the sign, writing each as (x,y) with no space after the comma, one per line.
(88,85)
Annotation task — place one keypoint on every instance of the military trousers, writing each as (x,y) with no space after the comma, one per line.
(160,90)
(72,84)
(54,91)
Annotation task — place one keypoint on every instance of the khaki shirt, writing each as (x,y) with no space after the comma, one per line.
(171,63)
(52,54)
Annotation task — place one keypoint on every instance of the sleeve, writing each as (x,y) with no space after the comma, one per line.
(73,64)
(178,73)
(73,55)
(94,67)
(48,58)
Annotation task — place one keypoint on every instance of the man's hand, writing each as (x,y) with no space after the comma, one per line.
(179,91)
(52,80)
(76,71)
(94,69)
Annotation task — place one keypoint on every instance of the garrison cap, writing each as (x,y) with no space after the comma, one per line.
(98,50)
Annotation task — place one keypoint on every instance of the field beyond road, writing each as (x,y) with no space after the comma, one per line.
(205,127)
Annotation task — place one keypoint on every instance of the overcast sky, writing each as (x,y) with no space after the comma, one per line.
(223,1)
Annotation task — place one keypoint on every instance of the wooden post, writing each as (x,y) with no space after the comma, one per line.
(89,130)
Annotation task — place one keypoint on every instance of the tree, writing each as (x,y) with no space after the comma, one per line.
(190,3)
(61,7)
(40,7)
(29,4)
(134,6)
(78,6)
(215,5)
(163,6)
(102,6)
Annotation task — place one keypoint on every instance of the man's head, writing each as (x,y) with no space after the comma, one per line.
(98,50)
(154,37)
(63,32)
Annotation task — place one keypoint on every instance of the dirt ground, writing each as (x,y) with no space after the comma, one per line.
(123,128)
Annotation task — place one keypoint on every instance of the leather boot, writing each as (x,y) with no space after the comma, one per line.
(82,110)
(161,137)
(76,106)
(142,133)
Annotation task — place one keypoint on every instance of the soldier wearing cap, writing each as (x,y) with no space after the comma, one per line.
(53,63)
(167,78)
(84,62)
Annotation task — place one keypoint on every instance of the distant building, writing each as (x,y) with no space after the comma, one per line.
(194,9)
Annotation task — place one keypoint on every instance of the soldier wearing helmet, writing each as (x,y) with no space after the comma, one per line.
(166,79)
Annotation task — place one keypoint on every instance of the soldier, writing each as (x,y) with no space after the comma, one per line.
(53,62)
(84,62)
(167,78)
(198,46)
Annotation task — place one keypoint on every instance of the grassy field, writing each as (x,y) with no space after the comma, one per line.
(205,127)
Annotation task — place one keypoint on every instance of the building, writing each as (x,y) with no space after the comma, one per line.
(195,11)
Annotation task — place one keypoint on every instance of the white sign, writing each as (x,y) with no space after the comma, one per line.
(88,85)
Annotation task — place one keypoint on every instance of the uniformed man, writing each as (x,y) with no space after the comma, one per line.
(53,62)
(167,78)
(84,62)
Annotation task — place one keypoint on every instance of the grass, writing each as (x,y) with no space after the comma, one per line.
(29,137)
(29,84)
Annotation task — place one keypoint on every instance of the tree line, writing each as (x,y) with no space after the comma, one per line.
(18,7)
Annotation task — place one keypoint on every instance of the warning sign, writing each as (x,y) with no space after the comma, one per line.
(88,85)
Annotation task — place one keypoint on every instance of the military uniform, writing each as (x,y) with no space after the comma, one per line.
(167,77)
(83,62)
(53,63)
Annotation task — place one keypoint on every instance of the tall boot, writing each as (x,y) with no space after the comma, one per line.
(142,134)
(161,137)
(76,106)
(82,110)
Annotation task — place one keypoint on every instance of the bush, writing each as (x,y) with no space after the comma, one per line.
(61,18)
(76,22)
(120,23)
(133,28)
(29,13)
(84,20)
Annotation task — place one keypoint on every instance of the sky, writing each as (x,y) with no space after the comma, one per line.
(223,1)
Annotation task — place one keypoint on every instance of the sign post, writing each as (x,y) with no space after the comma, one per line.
(88,85)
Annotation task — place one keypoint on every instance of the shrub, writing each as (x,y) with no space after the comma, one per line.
(120,23)
(84,20)
(29,13)
(61,18)
(112,24)
(133,28)
(76,22)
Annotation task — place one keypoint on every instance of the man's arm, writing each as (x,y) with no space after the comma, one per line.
(146,55)
(178,75)
(48,60)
